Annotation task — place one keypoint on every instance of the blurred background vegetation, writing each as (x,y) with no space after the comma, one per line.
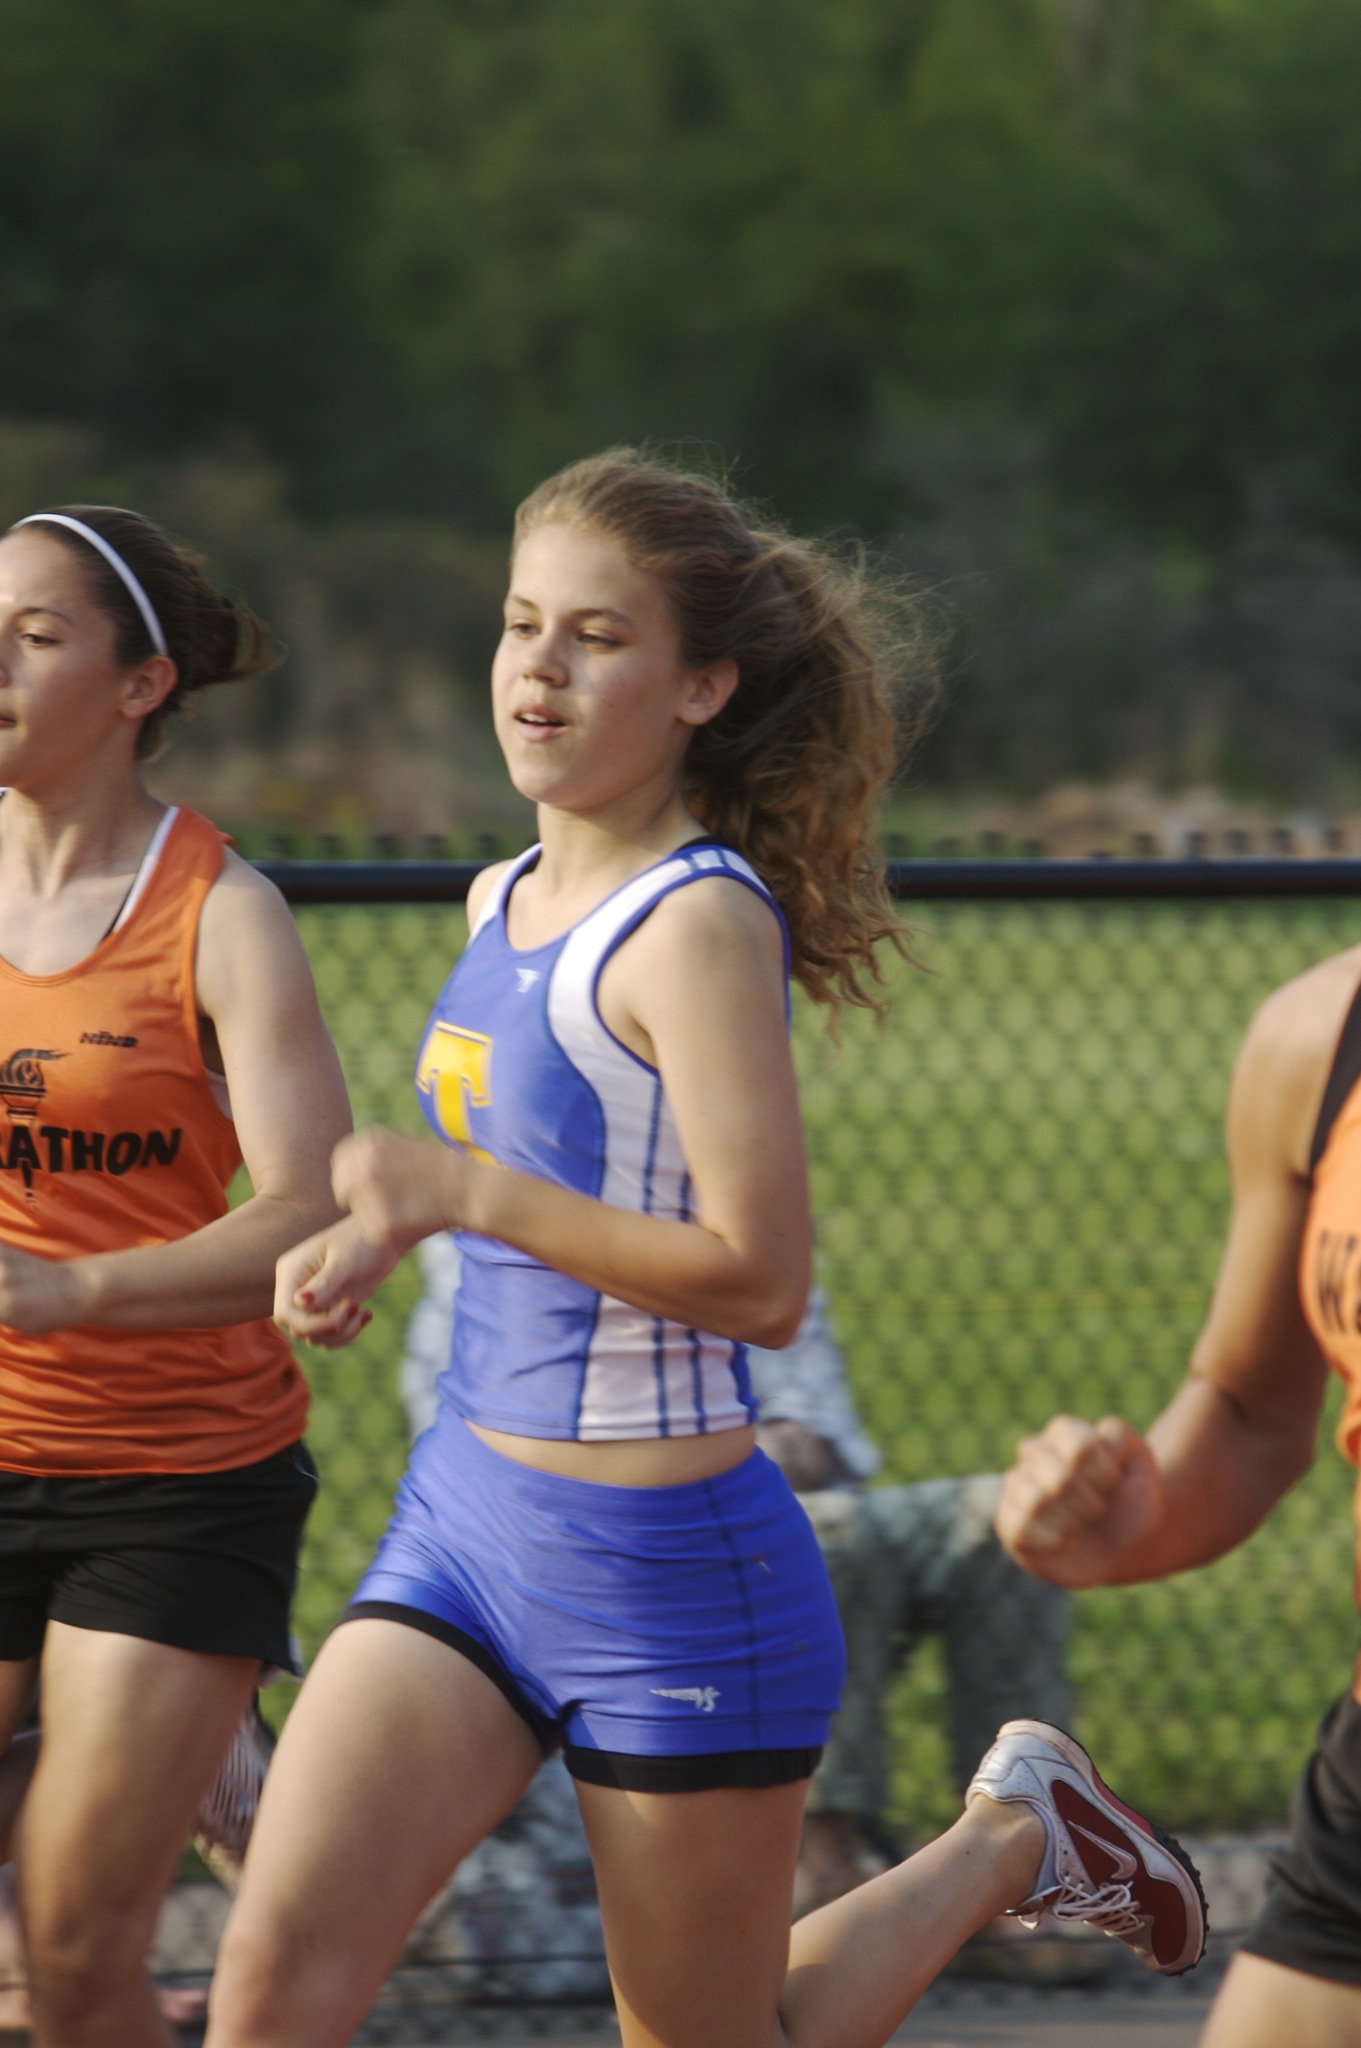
(1056,303)
(1020,1191)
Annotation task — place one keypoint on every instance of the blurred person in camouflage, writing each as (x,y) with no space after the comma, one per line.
(905,1562)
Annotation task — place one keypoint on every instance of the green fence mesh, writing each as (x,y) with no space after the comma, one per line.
(1020,1196)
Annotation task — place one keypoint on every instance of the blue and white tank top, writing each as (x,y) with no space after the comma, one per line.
(517,1065)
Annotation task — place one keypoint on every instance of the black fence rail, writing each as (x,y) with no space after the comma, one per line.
(1020,1197)
(479,844)
(1095,879)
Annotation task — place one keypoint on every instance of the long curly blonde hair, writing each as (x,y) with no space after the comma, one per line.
(789,770)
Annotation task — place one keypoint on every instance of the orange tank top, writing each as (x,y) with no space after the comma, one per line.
(1330,1251)
(110,1137)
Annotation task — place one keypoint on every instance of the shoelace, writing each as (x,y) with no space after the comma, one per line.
(227,1814)
(1111,1908)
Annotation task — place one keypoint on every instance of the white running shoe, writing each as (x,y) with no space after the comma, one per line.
(227,1815)
(1105,1864)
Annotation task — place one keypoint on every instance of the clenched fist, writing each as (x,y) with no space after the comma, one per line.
(1080,1501)
(397,1190)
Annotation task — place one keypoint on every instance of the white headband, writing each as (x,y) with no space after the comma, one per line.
(115,562)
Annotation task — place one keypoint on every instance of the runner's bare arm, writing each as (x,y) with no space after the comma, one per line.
(699,988)
(290,1108)
(1093,1504)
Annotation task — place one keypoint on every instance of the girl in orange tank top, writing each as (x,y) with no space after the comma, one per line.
(1098,1504)
(158,1025)
(1330,1269)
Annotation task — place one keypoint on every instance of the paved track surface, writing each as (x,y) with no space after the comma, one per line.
(1065,2020)
(1122,2023)
(1125,2008)
(1166,2017)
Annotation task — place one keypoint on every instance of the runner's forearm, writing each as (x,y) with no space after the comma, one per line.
(221,1274)
(752,1289)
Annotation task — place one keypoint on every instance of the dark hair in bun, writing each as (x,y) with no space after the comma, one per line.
(209,637)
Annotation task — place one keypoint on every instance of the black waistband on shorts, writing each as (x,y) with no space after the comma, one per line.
(621,1770)
(749,1769)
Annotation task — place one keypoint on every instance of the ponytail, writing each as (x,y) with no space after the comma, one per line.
(789,771)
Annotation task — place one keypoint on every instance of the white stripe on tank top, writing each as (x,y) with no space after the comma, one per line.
(692,1378)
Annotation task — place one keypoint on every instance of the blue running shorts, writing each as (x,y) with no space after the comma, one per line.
(671,1638)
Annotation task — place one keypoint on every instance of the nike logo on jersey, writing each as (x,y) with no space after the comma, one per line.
(701,1696)
(526,978)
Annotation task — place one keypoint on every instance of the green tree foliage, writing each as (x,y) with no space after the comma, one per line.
(769,227)
(421,250)
(183,187)
(1226,336)
(413,253)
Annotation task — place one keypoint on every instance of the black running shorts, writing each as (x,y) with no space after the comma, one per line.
(203,1561)
(1311,1920)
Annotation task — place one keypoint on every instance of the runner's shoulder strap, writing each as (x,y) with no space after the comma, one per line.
(1343,1076)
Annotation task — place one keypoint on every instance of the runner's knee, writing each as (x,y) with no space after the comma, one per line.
(79,1950)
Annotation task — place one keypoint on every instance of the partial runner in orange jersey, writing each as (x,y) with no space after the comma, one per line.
(1097,1504)
(158,1026)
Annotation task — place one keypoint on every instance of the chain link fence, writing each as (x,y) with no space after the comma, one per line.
(1020,1196)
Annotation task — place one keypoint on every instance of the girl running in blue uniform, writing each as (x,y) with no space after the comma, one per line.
(587,1549)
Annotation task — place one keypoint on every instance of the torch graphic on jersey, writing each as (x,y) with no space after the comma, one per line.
(22,1088)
